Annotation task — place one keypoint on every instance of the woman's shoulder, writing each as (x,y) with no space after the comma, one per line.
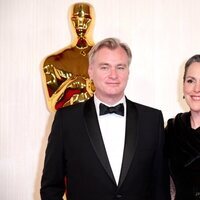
(180,117)
(179,123)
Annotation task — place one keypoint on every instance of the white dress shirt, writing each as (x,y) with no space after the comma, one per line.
(113,132)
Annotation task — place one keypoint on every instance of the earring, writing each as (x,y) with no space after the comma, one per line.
(183,97)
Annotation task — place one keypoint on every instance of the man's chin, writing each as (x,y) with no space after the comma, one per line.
(114,95)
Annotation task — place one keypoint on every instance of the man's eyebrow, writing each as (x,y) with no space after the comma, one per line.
(121,64)
(103,63)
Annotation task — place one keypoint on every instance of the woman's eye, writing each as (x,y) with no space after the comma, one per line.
(189,81)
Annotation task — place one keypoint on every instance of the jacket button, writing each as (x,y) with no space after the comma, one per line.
(118,196)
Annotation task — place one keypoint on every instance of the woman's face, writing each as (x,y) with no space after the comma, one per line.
(191,87)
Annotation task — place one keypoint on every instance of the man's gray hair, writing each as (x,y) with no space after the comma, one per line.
(110,43)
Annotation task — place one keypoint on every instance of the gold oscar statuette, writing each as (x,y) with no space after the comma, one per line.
(65,73)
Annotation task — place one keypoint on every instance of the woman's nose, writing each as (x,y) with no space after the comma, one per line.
(197,87)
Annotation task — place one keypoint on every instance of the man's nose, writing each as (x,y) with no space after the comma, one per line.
(113,73)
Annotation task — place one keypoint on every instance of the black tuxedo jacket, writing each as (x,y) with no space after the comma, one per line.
(76,151)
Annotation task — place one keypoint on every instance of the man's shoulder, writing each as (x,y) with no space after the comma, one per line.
(143,107)
(78,107)
(71,108)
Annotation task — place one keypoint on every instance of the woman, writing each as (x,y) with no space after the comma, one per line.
(183,137)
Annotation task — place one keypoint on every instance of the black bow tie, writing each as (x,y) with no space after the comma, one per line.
(118,109)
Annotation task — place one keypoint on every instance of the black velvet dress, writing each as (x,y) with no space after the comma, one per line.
(183,149)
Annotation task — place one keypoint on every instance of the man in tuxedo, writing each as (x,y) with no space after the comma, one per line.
(108,147)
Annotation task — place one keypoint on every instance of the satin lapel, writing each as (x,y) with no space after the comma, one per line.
(130,140)
(95,136)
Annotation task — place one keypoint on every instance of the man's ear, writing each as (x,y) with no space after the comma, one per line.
(90,71)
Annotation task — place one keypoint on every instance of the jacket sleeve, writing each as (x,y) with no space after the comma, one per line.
(161,172)
(53,178)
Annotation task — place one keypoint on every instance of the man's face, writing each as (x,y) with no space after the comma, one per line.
(109,72)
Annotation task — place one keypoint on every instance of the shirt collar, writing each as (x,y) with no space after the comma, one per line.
(97,102)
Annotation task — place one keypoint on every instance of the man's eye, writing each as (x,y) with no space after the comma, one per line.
(121,67)
(104,67)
